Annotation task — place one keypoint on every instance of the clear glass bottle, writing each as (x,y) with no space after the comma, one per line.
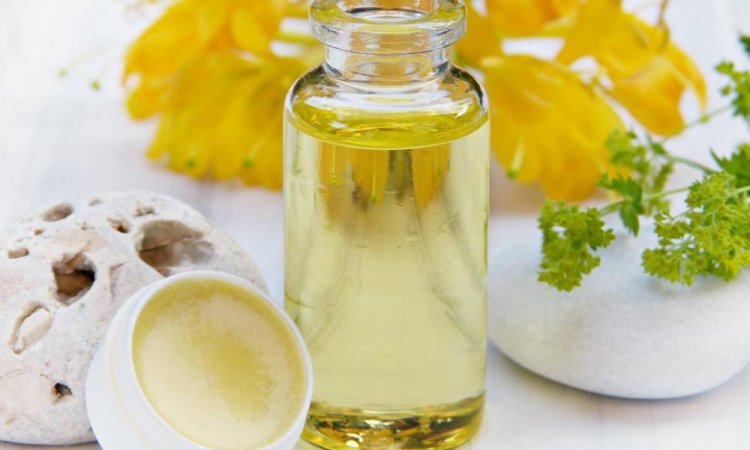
(386,202)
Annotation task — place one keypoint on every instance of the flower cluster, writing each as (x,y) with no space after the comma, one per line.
(210,72)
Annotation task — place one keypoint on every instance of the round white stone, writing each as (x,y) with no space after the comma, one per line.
(64,272)
(622,333)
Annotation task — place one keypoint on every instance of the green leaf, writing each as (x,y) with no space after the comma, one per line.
(626,152)
(631,205)
(738,88)
(628,188)
(629,215)
(569,235)
(725,67)
(745,42)
(657,147)
(738,164)
(649,165)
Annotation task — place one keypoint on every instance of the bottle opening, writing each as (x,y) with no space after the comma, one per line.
(389,10)
(388,26)
(386,15)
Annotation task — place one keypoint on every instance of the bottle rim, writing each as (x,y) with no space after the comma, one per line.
(386,26)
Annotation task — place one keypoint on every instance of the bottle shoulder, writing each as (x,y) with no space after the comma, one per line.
(376,116)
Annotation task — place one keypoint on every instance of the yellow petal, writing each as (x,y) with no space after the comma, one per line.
(689,72)
(248,32)
(168,44)
(211,17)
(650,79)
(266,150)
(527,17)
(480,40)
(649,74)
(255,24)
(652,96)
(161,144)
(145,101)
(237,127)
(272,11)
(547,125)
(597,23)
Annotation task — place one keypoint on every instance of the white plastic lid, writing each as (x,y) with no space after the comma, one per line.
(120,414)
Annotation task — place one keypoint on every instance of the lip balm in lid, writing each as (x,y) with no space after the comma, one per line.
(200,360)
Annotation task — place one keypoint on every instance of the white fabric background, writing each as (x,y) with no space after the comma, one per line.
(60,138)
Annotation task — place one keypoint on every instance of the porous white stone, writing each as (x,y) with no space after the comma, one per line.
(622,333)
(64,272)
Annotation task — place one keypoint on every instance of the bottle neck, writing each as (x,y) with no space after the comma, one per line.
(386,69)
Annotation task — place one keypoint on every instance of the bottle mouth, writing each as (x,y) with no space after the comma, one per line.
(388,26)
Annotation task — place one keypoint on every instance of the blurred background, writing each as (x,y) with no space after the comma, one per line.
(65,129)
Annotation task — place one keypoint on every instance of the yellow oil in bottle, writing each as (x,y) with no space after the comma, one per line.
(386,200)
(386,273)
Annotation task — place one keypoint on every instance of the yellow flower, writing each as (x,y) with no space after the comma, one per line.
(227,120)
(528,17)
(480,41)
(649,73)
(207,69)
(191,29)
(548,125)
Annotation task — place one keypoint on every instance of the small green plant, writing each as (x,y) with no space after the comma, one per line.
(711,237)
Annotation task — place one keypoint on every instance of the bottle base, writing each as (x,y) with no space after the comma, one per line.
(436,428)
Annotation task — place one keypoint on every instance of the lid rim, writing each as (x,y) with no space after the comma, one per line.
(112,376)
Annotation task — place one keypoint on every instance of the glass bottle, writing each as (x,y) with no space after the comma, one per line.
(386,201)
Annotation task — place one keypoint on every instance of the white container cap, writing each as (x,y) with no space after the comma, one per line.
(120,414)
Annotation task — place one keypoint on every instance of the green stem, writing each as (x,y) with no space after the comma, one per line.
(80,60)
(688,162)
(700,120)
(661,194)
(614,207)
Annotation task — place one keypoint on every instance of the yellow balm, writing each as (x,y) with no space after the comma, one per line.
(218,364)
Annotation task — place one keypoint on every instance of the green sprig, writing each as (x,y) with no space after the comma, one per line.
(712,236)
(631,207)
(570,236)
(738,88)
